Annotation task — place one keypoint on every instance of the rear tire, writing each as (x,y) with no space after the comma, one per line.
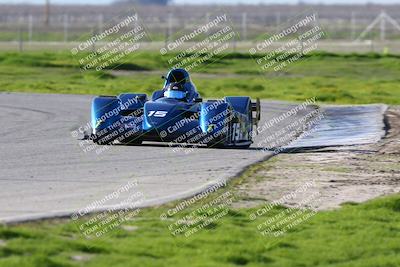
(97,141)
(216,145)
(134,143)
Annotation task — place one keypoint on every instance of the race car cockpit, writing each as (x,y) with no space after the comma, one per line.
(177,76)
(178,85)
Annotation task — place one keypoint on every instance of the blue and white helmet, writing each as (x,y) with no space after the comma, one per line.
(175,90)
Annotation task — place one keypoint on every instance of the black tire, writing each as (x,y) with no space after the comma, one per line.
(243,147)
(216,145)
(134,143)
(97,141)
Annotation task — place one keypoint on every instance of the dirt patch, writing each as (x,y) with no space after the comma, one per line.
(129,228)
(332,175)
(81,257)
(391,143)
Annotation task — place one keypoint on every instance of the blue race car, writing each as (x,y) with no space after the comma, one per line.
(175,114)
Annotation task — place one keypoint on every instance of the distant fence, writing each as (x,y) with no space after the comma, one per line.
(68,23)
(388,47)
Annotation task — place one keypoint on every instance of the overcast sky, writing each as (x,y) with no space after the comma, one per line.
(212,1)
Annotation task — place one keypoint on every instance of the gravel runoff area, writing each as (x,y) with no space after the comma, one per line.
(324,178)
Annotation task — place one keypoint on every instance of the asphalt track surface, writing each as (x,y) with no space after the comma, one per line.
(46,173)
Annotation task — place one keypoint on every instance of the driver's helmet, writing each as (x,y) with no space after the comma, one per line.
(175,90)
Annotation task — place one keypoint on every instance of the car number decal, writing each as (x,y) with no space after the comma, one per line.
(158,113)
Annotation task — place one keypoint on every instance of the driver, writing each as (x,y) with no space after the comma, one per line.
(175,90)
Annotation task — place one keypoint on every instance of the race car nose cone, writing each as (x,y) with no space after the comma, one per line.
(158,115)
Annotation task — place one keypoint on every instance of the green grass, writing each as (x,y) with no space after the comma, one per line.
(332,78)
(355,235)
